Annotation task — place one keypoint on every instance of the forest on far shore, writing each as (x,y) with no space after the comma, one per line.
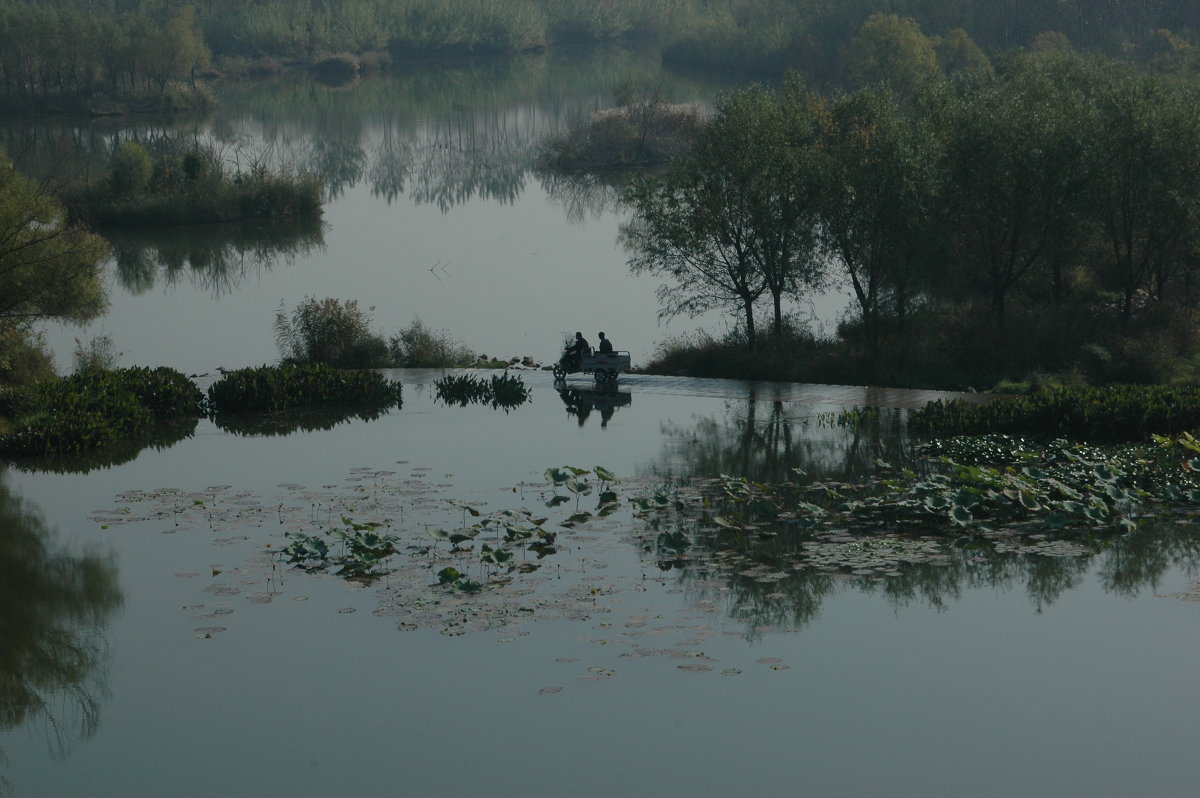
(56,49)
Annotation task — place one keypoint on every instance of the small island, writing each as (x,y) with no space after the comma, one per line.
(187,184)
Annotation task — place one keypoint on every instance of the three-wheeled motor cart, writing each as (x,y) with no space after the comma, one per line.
(605,366)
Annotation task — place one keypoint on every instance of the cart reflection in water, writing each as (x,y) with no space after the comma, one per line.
(580,403)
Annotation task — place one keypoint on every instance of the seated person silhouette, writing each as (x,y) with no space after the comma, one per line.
(577,350)
(606,346)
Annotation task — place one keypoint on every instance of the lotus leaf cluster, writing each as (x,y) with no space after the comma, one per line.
(362,552)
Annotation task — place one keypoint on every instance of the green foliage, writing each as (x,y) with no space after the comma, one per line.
(1111,414)
(763,37)
(94,409)
(418,346)
(735,218)
(362,553)
(878,205)
(957,53)
(329,332)
(131,168)
(24,357)
(280,389)
(99,354)
(892,49)
(83,57)
(48,270)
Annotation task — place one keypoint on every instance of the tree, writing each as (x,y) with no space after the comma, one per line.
(131,168)
(892,49)
(956,52)
(879,202)
(1145,195)
(48,270)
(1014,167)
(736,217)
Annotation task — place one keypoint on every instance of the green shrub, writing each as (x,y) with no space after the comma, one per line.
(94,409)
(99,354)
(417,346)
(280,389)
(330,332)
(1118,413)
(131,168)
(24,357)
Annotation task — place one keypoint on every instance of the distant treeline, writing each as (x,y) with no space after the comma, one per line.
(72,48)
(80,46)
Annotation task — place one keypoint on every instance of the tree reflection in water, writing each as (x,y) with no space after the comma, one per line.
(54,606)
(218,257)
(582,196)
(744,587)
(766,440)
(776,576)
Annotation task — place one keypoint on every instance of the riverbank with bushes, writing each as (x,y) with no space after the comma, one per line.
(959,349)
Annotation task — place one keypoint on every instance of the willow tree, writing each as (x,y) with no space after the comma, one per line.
(48,269)
(735,217)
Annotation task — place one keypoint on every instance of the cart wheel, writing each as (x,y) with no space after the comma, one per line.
(559,372)
(612,375)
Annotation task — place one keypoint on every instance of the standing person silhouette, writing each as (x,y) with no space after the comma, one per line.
(605,345)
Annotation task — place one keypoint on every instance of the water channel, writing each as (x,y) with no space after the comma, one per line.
(160,645)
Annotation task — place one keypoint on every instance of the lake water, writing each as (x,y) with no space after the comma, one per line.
(178,654)
(433,211)
(220,671)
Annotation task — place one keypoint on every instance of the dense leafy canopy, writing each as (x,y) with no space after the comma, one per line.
(47,268)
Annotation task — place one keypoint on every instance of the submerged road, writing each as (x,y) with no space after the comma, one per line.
(846,396)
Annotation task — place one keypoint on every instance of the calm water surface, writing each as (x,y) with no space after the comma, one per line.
(201,667)
(979,680)
(433,210)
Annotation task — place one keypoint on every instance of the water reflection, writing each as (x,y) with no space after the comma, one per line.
(293,421)
(580,403)
(125,450)
(54,606)
(218,258)
(441,134)
(766,440)
(583,196)
(776,575)
(766,586)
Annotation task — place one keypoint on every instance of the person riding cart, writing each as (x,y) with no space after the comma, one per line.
(577,350)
